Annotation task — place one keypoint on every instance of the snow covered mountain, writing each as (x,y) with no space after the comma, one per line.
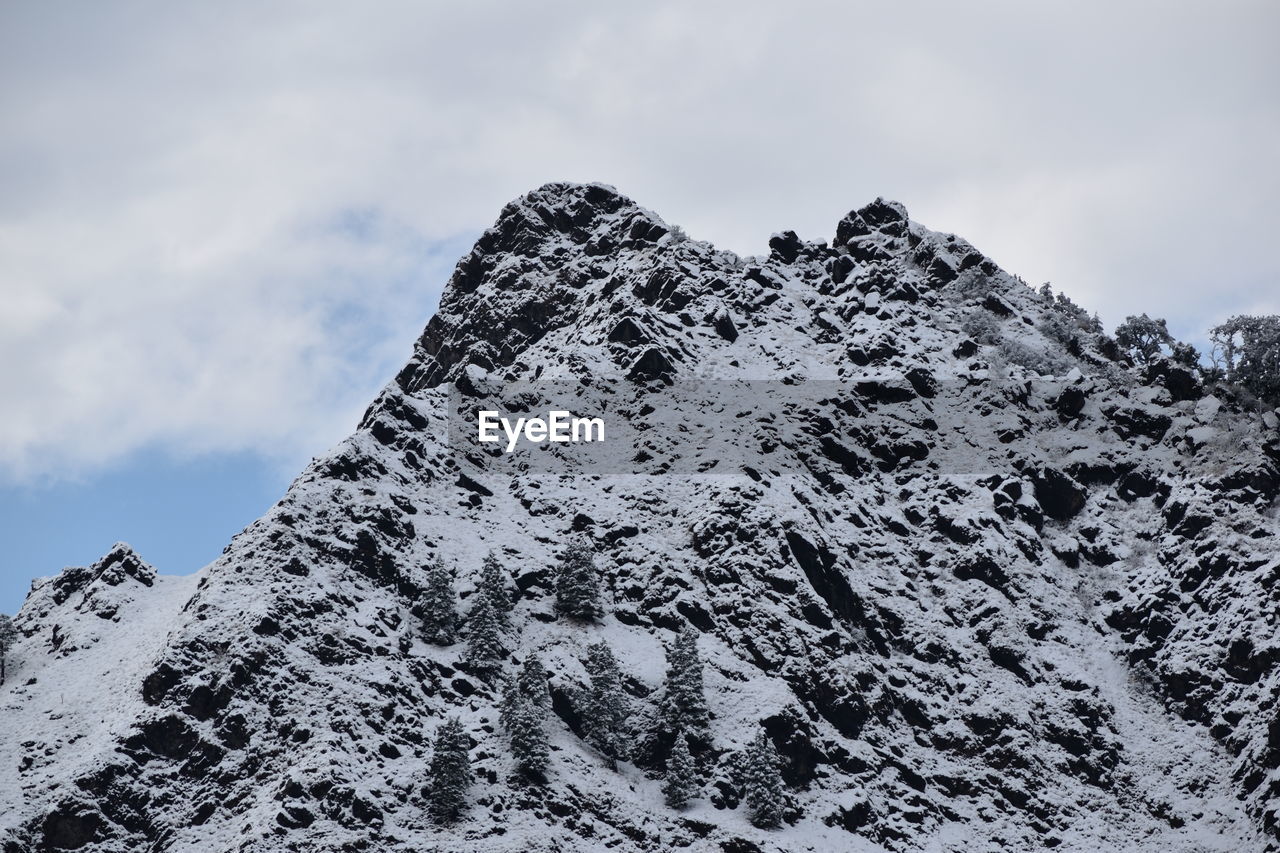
(1001,590)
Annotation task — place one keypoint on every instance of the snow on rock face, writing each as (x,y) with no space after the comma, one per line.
(981,609)
(101,589)
(86,639)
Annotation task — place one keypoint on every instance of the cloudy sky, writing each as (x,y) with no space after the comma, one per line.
(221,225)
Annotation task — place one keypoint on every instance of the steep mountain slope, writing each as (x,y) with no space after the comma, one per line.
(988,587)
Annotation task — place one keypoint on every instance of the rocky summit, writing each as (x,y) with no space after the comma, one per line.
(1007,589)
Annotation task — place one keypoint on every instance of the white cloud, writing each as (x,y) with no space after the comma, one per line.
(221,225)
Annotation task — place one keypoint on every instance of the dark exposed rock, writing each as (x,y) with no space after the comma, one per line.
(1058,495)
(465,482)
(922,381)
(881,216)
(1137,484)
(71,826)
(627,331)
(786,246)
(723,324)
(1070,402)
(997,306)
(168,736)
(205,701)
(819,566)
(1179,381)
(651,364)
(986,570)
(1133,422)
(158,683)
(884,392)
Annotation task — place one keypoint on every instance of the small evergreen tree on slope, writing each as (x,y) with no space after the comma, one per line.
(8,636)
(439,613)
(681,783)
(523,718)
(531,683)
(604,704)
(578,583)
(762,782)
(485,651)
(450,771)
(493,585)
(684,703)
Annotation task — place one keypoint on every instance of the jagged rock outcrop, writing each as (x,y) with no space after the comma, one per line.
(996,590)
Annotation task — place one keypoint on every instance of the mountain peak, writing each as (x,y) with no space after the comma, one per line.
(121,564)
(560,212)
(881,215)
(944,588)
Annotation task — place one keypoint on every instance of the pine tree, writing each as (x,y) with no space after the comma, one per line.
(684,706)
(439,616)
(578,583)
(450,771)
(493,584)
(485,651)
(522,715)
(529,741)
(8,636)
(531,681)
(604,705)
(762,782)
(681,784)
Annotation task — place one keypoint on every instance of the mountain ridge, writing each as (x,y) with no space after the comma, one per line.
(1066,642)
